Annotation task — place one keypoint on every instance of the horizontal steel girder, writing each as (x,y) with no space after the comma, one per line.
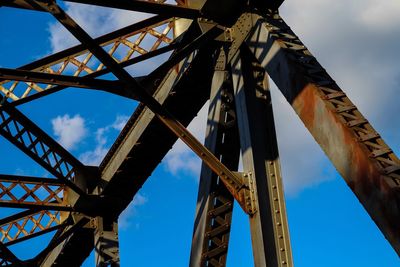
(146,6)
(368,165)
(32,192)
(28,224)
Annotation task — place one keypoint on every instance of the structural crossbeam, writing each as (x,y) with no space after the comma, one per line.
(30,77)
(32,192)
(29,224)
(146,6)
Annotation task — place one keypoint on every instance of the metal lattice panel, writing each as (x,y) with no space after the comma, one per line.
(31,225)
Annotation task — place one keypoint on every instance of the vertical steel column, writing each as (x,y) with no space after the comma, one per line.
(106,243)
(269,226)
(215,202)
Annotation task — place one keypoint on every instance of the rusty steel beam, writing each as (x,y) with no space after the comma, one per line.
(146,6)
(360,155)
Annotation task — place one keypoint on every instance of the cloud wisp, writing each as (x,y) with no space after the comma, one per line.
(69,130)
(95,156)
(94,19)
(125,219)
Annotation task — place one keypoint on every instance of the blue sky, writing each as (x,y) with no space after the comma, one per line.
(357,43)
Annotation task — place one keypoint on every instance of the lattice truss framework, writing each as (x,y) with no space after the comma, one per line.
(223,51)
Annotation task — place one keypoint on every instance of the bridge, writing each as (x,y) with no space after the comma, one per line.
(223,52)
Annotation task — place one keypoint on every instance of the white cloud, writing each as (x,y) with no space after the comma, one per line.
(124,220)
(95,156)
(69,130)
(119,122)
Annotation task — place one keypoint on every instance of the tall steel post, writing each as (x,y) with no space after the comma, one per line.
(269,226)
(215,202)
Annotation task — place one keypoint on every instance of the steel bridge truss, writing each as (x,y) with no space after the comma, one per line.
(223,51)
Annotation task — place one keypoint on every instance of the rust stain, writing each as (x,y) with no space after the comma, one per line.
(304,104)
(351,159)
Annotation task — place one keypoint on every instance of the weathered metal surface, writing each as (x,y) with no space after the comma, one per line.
(269,225)
(214,202)
(368,165)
